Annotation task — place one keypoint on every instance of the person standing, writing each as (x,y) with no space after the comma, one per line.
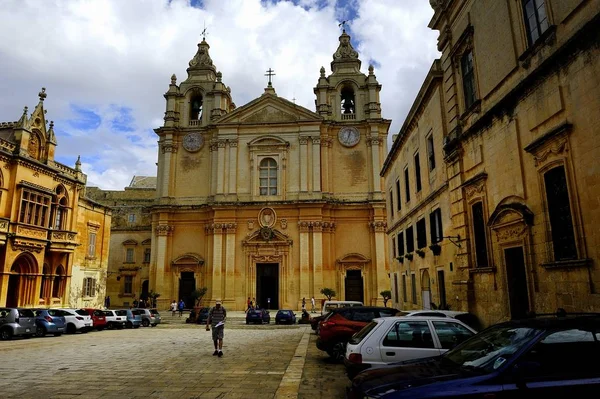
(303,303)
(180,307)
(135,302)
(174,307)
(107,302)
(216,319)
(268,303)
(249,303)
(312,304)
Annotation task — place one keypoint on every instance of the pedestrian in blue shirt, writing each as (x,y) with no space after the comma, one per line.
(180,307)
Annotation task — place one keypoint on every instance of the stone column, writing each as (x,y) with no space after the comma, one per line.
(232,167)
(230,228)
(220,172)
(217,263)
(168,148)
(214,167)
(375,142)
(304,259)
(316,164)
(379,276)
(157,271)
(303,164)
(317,258)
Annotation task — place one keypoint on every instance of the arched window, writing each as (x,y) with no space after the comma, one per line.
(196,108)
(348,101)
(57,287)
(45,286)
(60,208)
(268,177)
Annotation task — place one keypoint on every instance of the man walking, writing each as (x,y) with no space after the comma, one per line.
(312,304)
(216,319)
(180,307)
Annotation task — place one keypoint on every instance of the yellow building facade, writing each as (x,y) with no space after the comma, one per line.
(53,240)
(422,252)
(520,98)
(271,200)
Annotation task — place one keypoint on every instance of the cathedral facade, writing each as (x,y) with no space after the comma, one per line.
(271,200)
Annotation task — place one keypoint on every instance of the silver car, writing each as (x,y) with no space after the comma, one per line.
(150,317)
(16,322)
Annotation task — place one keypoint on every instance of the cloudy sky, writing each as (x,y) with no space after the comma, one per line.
(107,63)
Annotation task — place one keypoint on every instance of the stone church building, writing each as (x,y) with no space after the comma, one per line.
(271,200)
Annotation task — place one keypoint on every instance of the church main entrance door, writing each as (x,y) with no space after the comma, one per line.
(187,285)
(267,285)
(354,285)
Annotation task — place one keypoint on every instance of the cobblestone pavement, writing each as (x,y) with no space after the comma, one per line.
(173,360)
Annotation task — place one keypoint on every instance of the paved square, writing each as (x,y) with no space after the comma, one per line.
(171,361)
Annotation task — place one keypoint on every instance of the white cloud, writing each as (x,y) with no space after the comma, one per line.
(106,55)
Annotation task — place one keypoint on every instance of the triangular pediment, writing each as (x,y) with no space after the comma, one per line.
(274,237)
(269,109)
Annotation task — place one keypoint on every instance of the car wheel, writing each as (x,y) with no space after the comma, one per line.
(84,330)
(110,326)
(129,324)
(27,336)
(145,323)
(71,329)
(57,334)
(40,332)
(153,325)
(136,326)
(338,351)
(100,328)
(6,334)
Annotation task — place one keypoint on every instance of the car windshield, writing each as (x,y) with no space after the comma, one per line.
(121,312)
(98,313)
(108,313)
(153,311)
(82,312)
(489,350)
(359,336)
(136,312)
(26,313)
(54,312)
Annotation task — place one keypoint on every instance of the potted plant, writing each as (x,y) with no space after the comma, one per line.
(328,292)
(436,249)
(400,259)
(387,295)
(420,252)
(409,256)
(197,295)
(153,297)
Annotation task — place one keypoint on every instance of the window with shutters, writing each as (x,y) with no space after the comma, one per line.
(89,286)
(401,244)
(129,255)
(398,195)
(536,19)
(392,203)
(413,284)
(146,255)
(430,153)
(404,298)
(560,215)
(479,233)
(406,185)
(421,234)
(410,240)
(468,78)
(435,226)
(91,245)
(417,172)
(268,177)
(128,285)
(393,247)
(35,208)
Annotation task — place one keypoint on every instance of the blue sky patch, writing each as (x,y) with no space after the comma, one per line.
(85,119)
(123,121)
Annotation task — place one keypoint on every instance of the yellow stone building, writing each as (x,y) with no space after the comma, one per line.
(53,240)
(520,107)
(271,200)
(422,251)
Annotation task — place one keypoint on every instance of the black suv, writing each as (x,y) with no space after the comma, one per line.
(537,357)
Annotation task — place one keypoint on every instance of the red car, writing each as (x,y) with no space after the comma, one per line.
(339,326)
(98,318)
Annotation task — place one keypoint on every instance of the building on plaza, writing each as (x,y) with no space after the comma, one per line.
(519,107)
(53,240)
(418,205)
(130,239)
(271,200)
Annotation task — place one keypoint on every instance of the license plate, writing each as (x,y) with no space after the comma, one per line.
(27,330)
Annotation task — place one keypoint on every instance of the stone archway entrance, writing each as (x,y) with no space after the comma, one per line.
(187,285)
(267,285)
(21,283)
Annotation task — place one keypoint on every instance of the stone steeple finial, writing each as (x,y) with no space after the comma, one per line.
(23,121)
(345,57)
(173,79)
(78,163)
(50,136)
(202,59)
(371,69)
(42,94)
(322,71)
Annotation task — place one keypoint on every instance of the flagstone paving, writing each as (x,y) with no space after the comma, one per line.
(173,360)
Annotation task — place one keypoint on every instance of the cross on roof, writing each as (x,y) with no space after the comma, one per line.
(204,32)
(270,74)
(342,25)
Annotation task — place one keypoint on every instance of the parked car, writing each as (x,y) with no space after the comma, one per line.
(468,318)
(285,317)
(314,321)
(77,320)
(258,316)
(49,321)
(134,318)
(335,331)
(150,317)
(115,318)
(537,357)
(98,318)
(16,322)
(328,306)
(393,339)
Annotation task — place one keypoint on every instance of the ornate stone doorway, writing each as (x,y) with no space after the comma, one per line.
(267,285)
(22,282)
(354,286)
(517,282)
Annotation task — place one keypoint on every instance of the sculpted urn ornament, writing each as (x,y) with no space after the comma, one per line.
(192,142)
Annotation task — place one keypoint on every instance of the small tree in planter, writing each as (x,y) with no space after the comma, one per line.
(197,295)
(328,292)
(153,297)
(387,295)
(436,249)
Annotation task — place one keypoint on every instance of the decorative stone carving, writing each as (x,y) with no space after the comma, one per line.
(164,230)
(378,226)
(202,58)
(316,140)
(267,217)
(270,114)
(283,223)
(168,147)
(345,49)
(233,143)
(326,142)
(31,232)
(474,189)
(303,140)
(250,224)
(303,226)
(267,233)
(27,246)
(193,142)
(557,149)
(510,232)
(267,258)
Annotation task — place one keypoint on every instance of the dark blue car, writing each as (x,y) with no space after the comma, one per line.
(285,317)
(49,321)
(258,316)
(541,357)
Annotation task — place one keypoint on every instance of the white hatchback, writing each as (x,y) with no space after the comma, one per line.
(77,320)
(399,338)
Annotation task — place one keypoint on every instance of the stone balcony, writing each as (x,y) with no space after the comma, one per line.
(62,240)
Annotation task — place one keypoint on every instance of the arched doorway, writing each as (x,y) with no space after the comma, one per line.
(426,290)
(187,285)
(21,283)
(144,294)
(354,285)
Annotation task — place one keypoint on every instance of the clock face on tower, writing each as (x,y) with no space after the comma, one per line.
(349,136)
(192,142)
